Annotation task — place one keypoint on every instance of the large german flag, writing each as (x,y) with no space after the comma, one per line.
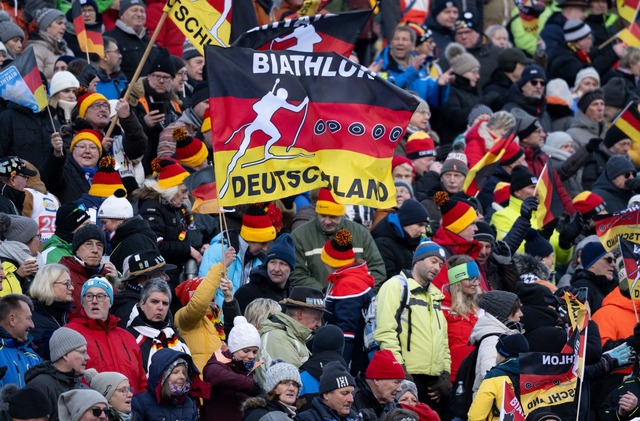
(319,33)
(480,173)
(631,34)
(550,206)
(287,122)
(625,224)
(627,9)
(629,121)
(89,41)
(631,257)
(22,84)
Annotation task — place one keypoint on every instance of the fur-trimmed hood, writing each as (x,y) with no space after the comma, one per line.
(147,193)
(531,268)
(253,403)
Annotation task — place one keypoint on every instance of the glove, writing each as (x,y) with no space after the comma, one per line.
(569,228)
(620,355)
(442,387)
(593,144)
(634,340)
(501,252)
(633,184)
(529,205)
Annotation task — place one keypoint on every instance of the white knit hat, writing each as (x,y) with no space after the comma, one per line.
(116,206)
(586,72)
(61,81)
(243,335)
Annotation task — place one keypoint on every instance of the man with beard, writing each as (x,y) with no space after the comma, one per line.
(310,238)
(113,81)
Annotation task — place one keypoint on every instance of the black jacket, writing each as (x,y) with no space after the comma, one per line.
(494,92)
(451,118)
(132,49)
(132,236)
(256,408)
(543,330)
(313,367)
(599,287)
(321,412)
(260,286)
(537,107)
(395,246)
(124,302)
(46,320)
(52,383)
(594,167)
(64,177)
(615,198)
(564,63)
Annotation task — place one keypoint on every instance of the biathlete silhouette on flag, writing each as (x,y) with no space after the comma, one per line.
(306,37)
(265,108)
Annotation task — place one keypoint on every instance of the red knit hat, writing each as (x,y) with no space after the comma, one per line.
(170,172)
(511,154)
(419,145)
(456,215)
(502,193)
(588,204)
(87,99)
(256,225)
(87,134)
(338,251)
(189,150)
(106,180)
(384,365)
(327,205)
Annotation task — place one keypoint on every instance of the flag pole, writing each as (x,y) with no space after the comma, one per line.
(535,191)
(584,352)
(136,75)
(53,126)
(224,268)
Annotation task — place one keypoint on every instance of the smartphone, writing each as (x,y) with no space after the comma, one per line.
(581,294)
(156,106)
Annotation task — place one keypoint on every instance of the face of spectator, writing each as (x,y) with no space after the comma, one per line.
(20,322)
(178,199)
(408,399)
(98,115)
(258,248)
(387,389)
(400,173)
(517,72)
(195,67)
(588,84)
(469,232)
(179,80)
(584,44)
(500,38)
(135,17)
(340,400)
(60,66)
(598,7)
(470,287)
(621,148)
(329,223)
(452,181)
(621,180)
(201,109)
(63,288)
(86,154)
(534,88)
(112,58)
(577,13)
(287,392)
(595,110)
(604,266)
(402,194)
(485,252)
(427,269)
(160,82)
(156,307)
(90,252)
(278,271)
(121,398)
(516,316)
(89,14)
(14,46)
(95,413)
(568,147)
(309,317)
(420,119)
(401,45)
(423,164)
(473,76)
(77,360)
(525,192)
(67,94)
(57,28)
(467,37)
(96,304)
(246,355)
(448,17)
(535,139)
(416,230)
(426,47)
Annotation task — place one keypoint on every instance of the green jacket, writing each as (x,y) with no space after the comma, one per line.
(523,39)
(309,239)
(55,248)
(427,338)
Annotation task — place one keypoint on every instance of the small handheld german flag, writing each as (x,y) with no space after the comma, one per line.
(89,41)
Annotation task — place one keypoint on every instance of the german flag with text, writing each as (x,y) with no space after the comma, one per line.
(628,121)
(550,206)
(22,84)
(625,224)
(631,34)
(89,41)
(480,173)
(631,257)
(319,33)
(287,122)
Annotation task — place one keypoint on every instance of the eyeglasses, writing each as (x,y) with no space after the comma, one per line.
(68,284)
(99,106)
(290,383)
(125,390)
(92,147)
(628,174)
(100,297)
(26,177)
(473,281)
(182,75)
(82,352)
(116,51)
(90,245)
(161,78)
(536,82)
(97,411)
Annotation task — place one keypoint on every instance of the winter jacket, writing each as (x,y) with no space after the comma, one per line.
(569,167)
(536,107)
(490,392)
(231,385)
(458,330)
(616,318)
(479,141)
(452,115)
(594,167)
(615,198)
(192,323)
(124,303)
(310,373)
(110,348)
(552,34)
(536,160)
(584,129)
(153,336)
(47,50)
(564,62)
(284,338)
(46,319)
(487,55)
(494,92)
(260,286)
(348,296)
(426,337)
(170,36)
(255,409)
(239,270)
(609,410)
(523,38)
(542,328)
(65,178)
(112,86)
(55,248)
(599,287)
(52,383)
(364,401)
(11,283)
(79,274)
(152,406)
(309,239)
(489,328)
(132,47)
(319,411)
(18,357)
(132,236)
(394,244)
(442,36)
(26,134)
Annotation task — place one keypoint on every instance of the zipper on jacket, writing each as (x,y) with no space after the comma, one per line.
(99,350)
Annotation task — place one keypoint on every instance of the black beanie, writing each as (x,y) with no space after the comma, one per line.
(200,93)
(412,212)
(68,218)
(163,63)
(27,403)
(512,345)
(334,376)
(485,233)
(588,97)
(440,5)
(536,245)
(329,338)
(613,136)
(534,294)
(86,233)
(521,177)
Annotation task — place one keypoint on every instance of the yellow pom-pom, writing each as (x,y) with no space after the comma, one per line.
(81,91)
(441,198)
(107,162)
(343,238)
(179,134)
(155,165)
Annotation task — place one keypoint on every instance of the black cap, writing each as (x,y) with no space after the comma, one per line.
(509,57)
(14,165)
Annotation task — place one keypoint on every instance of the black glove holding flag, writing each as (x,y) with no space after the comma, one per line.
(569,228)
(529,205)
(593,144)
(633,184)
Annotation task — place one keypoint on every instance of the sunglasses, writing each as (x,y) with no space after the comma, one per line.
(628,174)
(609,259)
(97,411)
(536,82)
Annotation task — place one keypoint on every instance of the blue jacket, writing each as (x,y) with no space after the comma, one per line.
(17,357)
(321,412)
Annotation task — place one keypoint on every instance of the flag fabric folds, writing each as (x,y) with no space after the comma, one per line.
(550,206)
(287,122)
(630,254)
(628,121)
(20,82)
(510,410)
(88,40)
(484,169)
(319,33)
(625,223)
(631,34)
(576,311)
(627,9)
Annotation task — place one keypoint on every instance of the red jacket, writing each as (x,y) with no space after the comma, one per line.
(459,329)
(111,348)
(79,274)
(536,159)
(170,36)
(476,139)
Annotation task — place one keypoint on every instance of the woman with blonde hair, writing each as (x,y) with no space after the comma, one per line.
(460,306)
(259,309)
(51,291)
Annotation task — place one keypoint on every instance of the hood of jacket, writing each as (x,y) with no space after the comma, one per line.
(534,317)
(317,361)
(486,325)
(356,270)
(281,321)
(531,268)
(134,226)
(581,121)
(161,361)
(511,365)
(46,368)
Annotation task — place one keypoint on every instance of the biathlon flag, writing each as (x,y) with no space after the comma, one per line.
(550,206)
(625,224)
(628,121)
(627,9)
(631,34)
(215,22)
(576,311)
(287,122)
(484,169)
(511,410)
(21,83)
(310,34)
(88,40)
(630,254)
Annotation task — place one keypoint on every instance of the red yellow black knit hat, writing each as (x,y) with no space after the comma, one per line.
(501,193)
(256,225)
(170,172)
(327,205)
(589,204)
(87,134)
(419,145)
(106,180)
(189,150)
(86,99)
(456,215)
(338,251)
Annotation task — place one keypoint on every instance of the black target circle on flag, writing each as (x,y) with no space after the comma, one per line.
(378,131)
(333,126)
(395,134)
(556,382)
(528,385)
(319,127)
(356,129)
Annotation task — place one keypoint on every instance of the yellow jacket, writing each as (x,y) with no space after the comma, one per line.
(192,322)
(487,402)
(10,283)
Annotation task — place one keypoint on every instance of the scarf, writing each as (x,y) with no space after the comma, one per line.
(14,250)
(89,173)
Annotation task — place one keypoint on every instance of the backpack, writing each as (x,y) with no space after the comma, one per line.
(459,404)
(370,321)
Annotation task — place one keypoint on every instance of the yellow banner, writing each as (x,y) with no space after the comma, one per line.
(577,312)
(200,22)
(562,393)
(309,8)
